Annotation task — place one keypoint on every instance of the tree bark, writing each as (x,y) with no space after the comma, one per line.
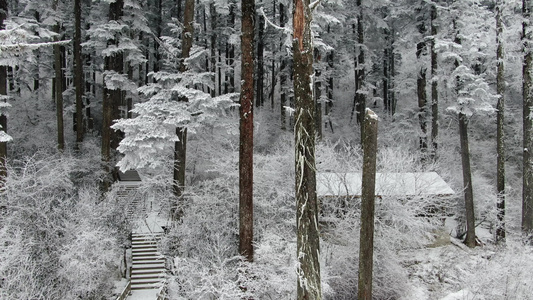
(421,81)
(527,189)
(500,136)
(213,44)
(360,71)
(260,65)
(470,240)
(78,73)
(59,95)
(282,71)
(180,147)
(368,194)
(434,85)
(3,92)
(111,100)
(246,148)
(308,242)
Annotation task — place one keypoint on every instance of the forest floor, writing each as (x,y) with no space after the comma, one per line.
(449,270)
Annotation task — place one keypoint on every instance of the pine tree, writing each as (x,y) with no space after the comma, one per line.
(246,149)
(308,241)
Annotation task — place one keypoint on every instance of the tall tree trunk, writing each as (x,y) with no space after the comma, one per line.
(231,49)
(246,149)
(111,100)
(356,78)
(368,195)
(500,137)
(260,65)
(527,189)
(434,84)
(282,71)
(180,147)
(78,73)
(213,45)
(360,95)
(273,62)
(59,95)
(3,92)
(470,240)
(421,81)
(308,242)
(391,76)
(159,29)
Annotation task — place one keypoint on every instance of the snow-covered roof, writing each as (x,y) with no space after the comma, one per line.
(387,184)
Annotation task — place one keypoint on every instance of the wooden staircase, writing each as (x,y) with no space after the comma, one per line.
(147,270)
(148,265)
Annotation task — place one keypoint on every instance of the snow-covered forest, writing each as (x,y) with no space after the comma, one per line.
(251,127)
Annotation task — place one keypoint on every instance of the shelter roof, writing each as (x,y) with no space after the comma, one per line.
(387,184)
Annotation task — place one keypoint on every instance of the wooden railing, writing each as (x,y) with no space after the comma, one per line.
(125,291)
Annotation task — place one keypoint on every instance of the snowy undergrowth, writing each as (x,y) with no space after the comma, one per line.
(58,240)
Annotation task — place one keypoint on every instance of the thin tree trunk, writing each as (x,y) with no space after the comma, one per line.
(78,73)
(213,44)
(470,240)
(500,137)
(421,84)
(260,65)
(368,195)
(273,63)
(3,92)
(308,241)
(356,78)
(434,85)
(527,189)
(59,96)
(231,49)
(282,71)
(361,97)
(246,149)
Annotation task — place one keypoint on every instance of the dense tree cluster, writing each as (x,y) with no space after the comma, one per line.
(91,87)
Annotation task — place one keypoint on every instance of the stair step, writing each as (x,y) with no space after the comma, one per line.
(144,251)
(157,271)
(146,286)
(148,266)
(148,276)
(148,257)
(148,261)
(146,281)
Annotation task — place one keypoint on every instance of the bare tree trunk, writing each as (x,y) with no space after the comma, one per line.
(368,194)
(111,100)
(213,43)
(260,65)
(231,49)
(527,189)
(3,92)
(246,149)
(59,96)
(470,240)
(78,73)
(360,96)
(421,81)
(308,241)
(282,71)
(180,147)
(500,137)
(434,85)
